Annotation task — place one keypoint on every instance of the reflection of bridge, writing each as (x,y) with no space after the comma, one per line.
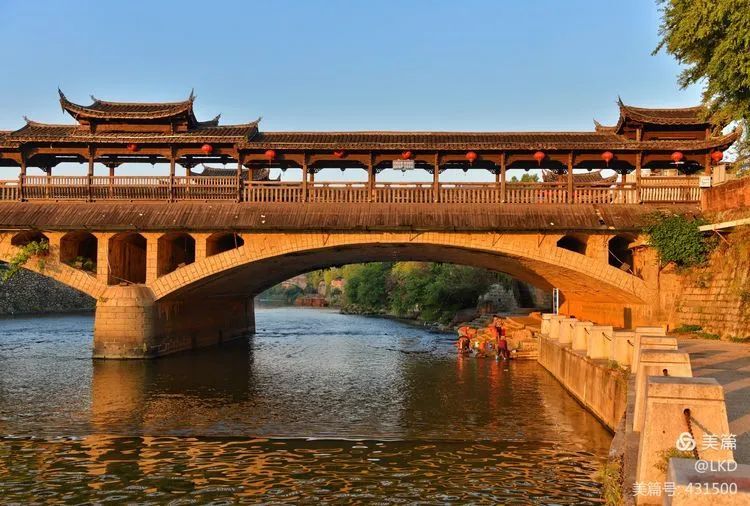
(171,271)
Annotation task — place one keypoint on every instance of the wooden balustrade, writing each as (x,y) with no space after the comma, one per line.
(9,190)
(225,188)
(262,191)
(404,193)
(338,192)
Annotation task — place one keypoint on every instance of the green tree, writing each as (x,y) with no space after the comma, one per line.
(526,178)
(366,286)
(712,39)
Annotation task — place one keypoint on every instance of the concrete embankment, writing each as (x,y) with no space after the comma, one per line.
(601,389)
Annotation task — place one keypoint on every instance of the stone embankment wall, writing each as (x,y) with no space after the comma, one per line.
(715,297)
(730,196)
(29,293)
(599,388)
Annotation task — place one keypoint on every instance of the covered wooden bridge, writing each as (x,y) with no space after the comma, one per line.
(656,155)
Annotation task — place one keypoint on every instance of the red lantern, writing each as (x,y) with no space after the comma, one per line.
(607,156)
(207,148)
(677,156)
(339,154)
(717,156)
(406,155)
(539,156)
(471,156)
(270,154)
(132,148)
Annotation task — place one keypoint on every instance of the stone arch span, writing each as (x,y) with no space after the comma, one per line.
(53,267)
(268,258)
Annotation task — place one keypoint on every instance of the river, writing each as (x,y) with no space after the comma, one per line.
(316,407)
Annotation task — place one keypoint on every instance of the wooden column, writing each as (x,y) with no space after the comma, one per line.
(638,177)
(90,178)
(171,175)
(707,164)
(305,176)
(436,179)
(370,179)
(239,176)
(47,181)
(571,195)
(22,178)
(111,181)
(503,168)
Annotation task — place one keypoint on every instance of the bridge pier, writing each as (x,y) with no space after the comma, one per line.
(130,324)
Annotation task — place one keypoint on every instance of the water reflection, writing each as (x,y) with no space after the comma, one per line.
(316,407)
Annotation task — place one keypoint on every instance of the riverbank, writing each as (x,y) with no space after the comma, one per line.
(29,293)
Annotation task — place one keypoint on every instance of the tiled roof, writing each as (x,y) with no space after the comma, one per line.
(594,176)
(468,141)
(674,116)
(126,110)
(43,132)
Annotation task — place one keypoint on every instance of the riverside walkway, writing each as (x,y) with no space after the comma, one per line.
(729,363)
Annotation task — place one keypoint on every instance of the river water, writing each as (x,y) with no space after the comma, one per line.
(316,407)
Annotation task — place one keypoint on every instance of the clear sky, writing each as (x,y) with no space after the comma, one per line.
(343,65)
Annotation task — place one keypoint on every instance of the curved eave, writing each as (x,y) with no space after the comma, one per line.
(79,112)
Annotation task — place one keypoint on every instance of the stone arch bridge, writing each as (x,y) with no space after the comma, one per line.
(171,277)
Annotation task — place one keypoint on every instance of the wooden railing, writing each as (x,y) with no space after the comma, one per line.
(8,190)
(263,191)
(226,188)
(670,189)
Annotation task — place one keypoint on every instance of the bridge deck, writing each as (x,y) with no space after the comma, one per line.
(200,216)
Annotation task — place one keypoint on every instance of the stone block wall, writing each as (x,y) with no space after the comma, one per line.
(728,196)
(715,297)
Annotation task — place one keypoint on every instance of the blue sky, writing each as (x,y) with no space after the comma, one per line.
(343,65)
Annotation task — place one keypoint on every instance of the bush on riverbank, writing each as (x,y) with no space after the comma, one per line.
(429,291)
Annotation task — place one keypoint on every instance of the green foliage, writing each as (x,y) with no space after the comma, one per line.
(83,263)
(712,39)
(366,286)
(526,178)
(612,482)
(708,335)
(432,291)
(280,292)
(663,463)
(678,239)
(38,249)
(738,339)
(686,329)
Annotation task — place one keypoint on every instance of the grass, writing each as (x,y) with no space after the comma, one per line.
(738,339)
(686,329)
(669,453)
(708,335)
(611,478)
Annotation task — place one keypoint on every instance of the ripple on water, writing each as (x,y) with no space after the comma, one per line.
(317,407)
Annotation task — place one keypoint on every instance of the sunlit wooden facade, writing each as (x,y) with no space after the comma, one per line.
(116,133)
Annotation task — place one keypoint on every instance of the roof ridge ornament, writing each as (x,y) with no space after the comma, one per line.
(192,96)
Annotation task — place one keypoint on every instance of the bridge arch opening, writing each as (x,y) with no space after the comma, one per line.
(221,242)
(26,237)
(127,258)
(175,250)
(573,242)
(620,255)
(79,249)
